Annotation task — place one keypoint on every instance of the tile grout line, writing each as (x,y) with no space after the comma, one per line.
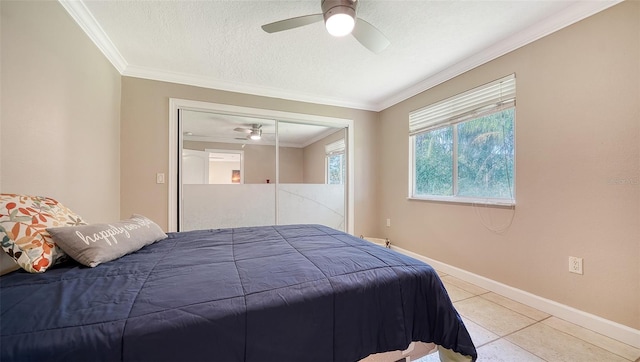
(504,337)
(521,329)
(515,311)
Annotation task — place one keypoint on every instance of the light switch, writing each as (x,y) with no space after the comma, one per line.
(159,178)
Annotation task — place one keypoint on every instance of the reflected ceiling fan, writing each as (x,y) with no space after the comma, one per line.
(253,133)
(340,19)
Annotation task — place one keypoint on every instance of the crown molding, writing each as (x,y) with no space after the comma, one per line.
(578,11)
(90,26)
(208,82)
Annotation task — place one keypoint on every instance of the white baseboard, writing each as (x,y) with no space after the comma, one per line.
(597,324)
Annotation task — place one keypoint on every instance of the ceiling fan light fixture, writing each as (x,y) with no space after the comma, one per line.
(256,134)
(340,21)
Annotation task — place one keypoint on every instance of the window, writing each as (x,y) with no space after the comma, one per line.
(463,148)
(336,163)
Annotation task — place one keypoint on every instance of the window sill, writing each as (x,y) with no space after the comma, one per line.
(465,201)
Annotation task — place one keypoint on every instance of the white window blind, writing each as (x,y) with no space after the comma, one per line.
(489,97)
(334,147)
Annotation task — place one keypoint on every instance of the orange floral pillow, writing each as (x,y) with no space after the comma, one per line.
(23,230)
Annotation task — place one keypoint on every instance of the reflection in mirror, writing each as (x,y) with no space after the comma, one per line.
(212,167)
(226,166)
(336,162)
(303,152)
(312,188)
(252,140)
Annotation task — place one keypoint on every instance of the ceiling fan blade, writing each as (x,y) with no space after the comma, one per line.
(369,36)
(244,130)
(292,23)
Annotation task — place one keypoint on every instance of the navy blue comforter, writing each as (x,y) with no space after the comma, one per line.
(277,293)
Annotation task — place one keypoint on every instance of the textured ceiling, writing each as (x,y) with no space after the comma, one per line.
(219,44)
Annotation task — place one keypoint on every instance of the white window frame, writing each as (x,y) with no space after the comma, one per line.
(487,99)
(331,149)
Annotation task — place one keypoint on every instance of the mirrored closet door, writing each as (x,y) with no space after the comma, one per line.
(237,170)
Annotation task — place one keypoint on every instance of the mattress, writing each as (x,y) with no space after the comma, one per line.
(273,293)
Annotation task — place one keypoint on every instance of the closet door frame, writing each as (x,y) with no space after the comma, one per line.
(175,140)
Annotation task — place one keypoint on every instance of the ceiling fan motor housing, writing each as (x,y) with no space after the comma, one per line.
(331,7)
(340,20)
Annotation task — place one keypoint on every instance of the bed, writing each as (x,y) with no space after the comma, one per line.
(272,293)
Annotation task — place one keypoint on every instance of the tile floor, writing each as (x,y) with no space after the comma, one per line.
(505,330)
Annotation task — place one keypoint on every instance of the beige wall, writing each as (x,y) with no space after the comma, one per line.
(60,116)
(577,173)
(291,165)
(145,150)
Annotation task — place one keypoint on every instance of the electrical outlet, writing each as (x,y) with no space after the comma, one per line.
(388,222)
(575,265)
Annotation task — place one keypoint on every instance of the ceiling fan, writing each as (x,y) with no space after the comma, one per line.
(253,133)
(340,19)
